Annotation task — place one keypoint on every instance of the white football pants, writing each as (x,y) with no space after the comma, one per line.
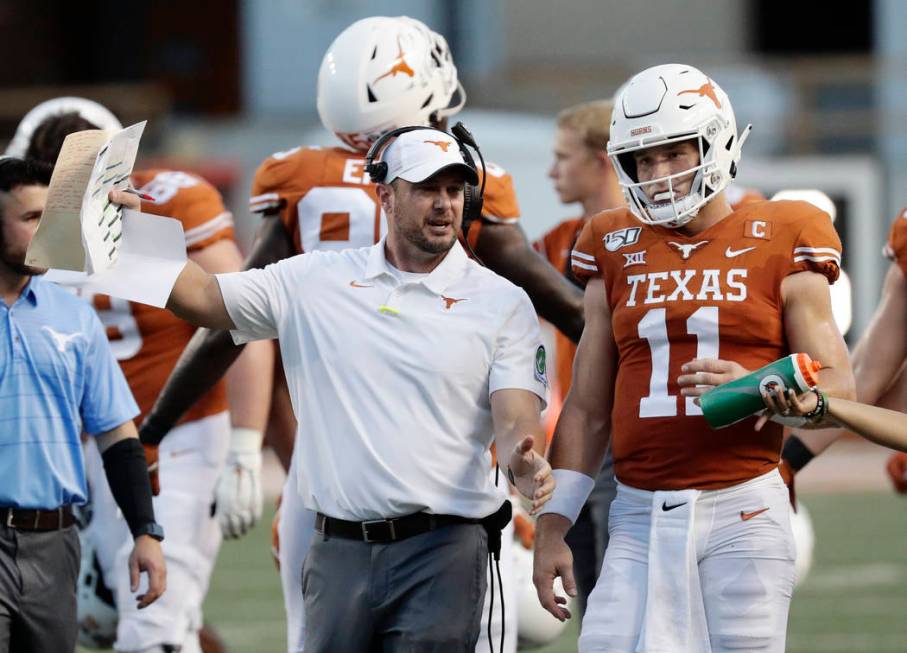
(191,459)
(745,556)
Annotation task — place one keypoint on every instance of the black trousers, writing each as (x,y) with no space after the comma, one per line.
(38,573)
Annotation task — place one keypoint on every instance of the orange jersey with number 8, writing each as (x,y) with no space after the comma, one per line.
(675,298)
(327,201)
(148,341)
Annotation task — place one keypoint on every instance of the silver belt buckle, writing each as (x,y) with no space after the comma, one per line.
(389,522)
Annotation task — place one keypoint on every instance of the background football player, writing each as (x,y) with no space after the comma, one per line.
(147,342)
(878,363)
(380,73)
(683,293)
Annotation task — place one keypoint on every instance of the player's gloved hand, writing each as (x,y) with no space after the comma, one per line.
(151,459)
(239,499)
(897,471)
(275,533)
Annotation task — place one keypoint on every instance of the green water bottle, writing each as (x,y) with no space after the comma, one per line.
(736,400)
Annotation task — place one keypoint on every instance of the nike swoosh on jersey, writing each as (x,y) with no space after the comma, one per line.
(731,253)
(354,284)
(666,507)
(746,516)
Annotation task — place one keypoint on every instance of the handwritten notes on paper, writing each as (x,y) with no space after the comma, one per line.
(80,230)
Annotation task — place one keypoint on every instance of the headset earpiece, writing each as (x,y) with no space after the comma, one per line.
(377,171)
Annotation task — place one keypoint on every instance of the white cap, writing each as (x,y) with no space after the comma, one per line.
(419,154)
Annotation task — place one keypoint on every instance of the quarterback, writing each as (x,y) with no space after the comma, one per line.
(683,293)
(147,342)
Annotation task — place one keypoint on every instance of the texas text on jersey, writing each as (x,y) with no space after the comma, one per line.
(326,200)
(147,341)
(556,246)
(675,298)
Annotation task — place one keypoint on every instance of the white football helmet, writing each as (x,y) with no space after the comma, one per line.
(381,73)
(88,109)
(667,104)
(535,625)
(96,611)
(804,541)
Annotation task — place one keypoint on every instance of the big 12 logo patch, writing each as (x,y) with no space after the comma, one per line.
(621,238)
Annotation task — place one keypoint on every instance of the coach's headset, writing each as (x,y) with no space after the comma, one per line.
(473,196)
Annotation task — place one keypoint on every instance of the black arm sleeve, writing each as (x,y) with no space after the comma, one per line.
(504,249)
(209,354)
(127,475)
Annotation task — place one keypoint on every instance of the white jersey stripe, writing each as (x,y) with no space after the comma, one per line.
(817,259)
(208,229)
(816,250)
(584,266)
(579,254)
(263,197)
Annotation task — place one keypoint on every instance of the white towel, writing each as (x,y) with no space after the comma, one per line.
(674,620)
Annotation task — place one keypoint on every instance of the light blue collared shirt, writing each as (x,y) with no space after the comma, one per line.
(58,378)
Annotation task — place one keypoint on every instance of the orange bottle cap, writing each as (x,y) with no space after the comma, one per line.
(809,369)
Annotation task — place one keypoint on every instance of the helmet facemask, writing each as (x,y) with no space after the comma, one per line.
(671,104)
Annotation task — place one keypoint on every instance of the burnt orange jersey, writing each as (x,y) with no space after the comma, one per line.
(327,201)
(147,341)
(674,298)
(556,246)
(896,248)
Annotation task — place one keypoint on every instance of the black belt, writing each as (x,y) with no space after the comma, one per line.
(386,530)
(37,520)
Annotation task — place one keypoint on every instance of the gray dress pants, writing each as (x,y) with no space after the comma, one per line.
(38,573)
(421,594)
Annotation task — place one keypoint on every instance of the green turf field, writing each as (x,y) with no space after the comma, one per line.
(854,601)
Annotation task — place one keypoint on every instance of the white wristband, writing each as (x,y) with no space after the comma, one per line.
(245,440)
(570,493)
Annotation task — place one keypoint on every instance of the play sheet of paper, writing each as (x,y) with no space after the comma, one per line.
(152,254)
(80,230)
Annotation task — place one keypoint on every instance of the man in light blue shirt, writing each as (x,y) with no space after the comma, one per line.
(58,379)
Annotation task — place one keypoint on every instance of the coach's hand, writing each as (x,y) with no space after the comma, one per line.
(530,473)
(239,497)
(553,559)
(147,557)
(702,374)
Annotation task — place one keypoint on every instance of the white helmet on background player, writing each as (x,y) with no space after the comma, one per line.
(381,73)
(804,541)
(668,104)
(88,109)
(96,611)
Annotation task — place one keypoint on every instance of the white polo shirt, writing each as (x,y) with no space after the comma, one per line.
(391,376)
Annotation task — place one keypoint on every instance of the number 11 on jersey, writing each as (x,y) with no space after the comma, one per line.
(653,328)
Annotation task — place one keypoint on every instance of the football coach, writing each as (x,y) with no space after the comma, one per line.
(404,361)
(58,379)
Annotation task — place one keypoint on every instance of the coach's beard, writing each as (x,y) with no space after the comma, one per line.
(17,264)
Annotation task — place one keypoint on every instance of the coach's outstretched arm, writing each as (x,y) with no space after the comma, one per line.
(210,353)
(577,449)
